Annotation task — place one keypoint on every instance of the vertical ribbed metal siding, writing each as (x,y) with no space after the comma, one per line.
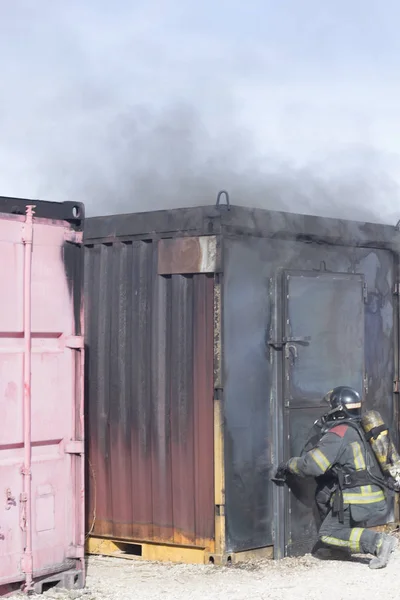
(150,397)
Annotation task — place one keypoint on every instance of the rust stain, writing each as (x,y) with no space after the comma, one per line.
(187,255)
(203,388)
(208,543)
(217,337)
(150,399)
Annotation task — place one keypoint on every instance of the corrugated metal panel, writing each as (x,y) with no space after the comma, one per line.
(203,387)
(150,397)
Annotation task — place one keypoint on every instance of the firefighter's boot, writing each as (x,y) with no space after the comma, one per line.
(385,547)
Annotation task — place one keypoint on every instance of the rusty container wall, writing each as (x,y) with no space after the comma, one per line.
(287,276)
(41,383)
(149,348)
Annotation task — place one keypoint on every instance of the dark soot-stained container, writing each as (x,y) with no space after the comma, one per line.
(212,335)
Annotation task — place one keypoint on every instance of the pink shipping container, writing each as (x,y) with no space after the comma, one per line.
(41,393)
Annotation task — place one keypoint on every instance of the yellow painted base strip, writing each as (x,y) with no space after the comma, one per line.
(142,551)
(219,479)
(233,558)
(252,555)
(175,554)
(219,449)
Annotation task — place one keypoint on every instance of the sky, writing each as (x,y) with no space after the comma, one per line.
(129,106)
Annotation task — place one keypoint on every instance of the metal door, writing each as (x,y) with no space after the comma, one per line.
(323,347)
(41,387)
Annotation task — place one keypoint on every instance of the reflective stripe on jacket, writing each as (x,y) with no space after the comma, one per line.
(340,445)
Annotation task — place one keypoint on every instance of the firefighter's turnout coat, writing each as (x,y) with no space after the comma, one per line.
(348,494)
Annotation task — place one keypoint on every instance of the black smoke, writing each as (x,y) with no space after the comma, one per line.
(148,160)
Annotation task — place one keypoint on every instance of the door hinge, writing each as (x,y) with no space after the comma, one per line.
(75,342)
(396,289)
(366,383)
(396,386)
(75,552)
(75,447)
(220,510)
(365,292)
(218,393)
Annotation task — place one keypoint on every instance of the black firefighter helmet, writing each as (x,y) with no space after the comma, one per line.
(344,402)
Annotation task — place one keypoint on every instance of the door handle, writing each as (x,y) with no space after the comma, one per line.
(289,349)
(278,345)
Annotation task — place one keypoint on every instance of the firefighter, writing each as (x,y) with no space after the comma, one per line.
(352,492)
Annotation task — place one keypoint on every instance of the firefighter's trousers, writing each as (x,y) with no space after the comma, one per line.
(351,535)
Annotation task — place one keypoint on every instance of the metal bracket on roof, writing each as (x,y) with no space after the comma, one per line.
(228,206)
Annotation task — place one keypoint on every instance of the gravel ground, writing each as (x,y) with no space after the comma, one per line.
(305,578)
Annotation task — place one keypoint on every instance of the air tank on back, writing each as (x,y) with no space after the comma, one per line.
(385,451)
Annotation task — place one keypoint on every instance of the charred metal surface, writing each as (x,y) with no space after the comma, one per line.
(308,229)
(187,255)
(162,223)
(247,380)
(150,397)
(72,256)
(239,221)
(254,372)
(73,212)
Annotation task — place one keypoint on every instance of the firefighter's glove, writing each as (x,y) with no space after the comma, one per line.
(280,475)
(282,471)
